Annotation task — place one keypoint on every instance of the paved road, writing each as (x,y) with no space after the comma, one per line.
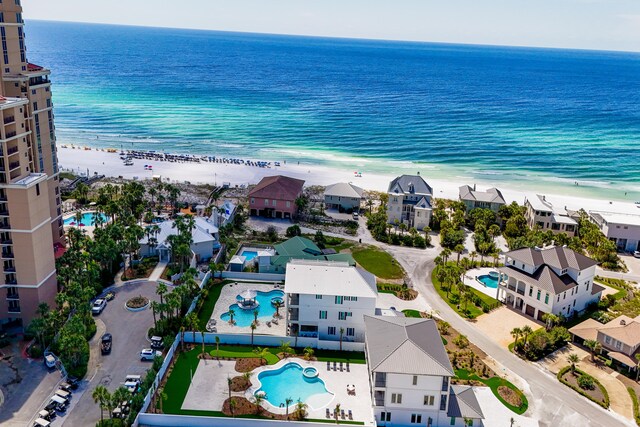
(129,332)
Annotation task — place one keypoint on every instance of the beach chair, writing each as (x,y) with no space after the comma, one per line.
(334,366)
(348,367)
(342,413)
(328,413)
(268,323)
(340,366)
(350,415)
(328,369)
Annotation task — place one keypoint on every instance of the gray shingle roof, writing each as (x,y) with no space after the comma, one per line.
(463,403)
(404,345)
(557,256)
(404,182)
(344,189)
(492,195)
(544,278)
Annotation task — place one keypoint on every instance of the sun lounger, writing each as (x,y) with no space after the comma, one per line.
(334,366)
(350,415)
(328,368)
(348,367)
(342,413)
(268,323)
(328,413)
(340,366)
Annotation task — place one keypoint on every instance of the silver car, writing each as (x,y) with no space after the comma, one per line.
(149,354)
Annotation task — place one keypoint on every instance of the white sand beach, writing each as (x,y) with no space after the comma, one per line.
(80,160)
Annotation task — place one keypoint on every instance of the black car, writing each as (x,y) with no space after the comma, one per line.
(105,343)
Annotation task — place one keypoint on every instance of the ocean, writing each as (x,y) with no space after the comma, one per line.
(562,121)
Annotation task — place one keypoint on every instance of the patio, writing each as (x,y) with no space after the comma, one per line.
(228,296)
(471,280)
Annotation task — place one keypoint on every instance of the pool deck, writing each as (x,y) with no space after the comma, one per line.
(471,281)
(228,296)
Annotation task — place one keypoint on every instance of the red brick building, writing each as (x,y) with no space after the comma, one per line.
(275,197)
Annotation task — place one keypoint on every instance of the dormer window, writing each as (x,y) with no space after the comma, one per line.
(563,272)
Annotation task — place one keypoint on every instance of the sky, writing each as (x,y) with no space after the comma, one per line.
(581,24)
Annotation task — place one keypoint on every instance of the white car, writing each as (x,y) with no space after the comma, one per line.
(98,306)
(149,354)
(636,254)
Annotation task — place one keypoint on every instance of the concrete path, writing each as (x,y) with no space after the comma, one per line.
(499,323)
(618,394)
(157,271)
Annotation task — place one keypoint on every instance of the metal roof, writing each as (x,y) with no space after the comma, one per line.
(344,189)
(404,184)
(329,278)
(557,256)
(463,403)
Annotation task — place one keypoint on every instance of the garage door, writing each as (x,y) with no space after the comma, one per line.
(530,310)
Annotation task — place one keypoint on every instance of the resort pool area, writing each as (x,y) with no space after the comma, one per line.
(289,381)
(88,219)
(249,255)
(266,309)
(489,281)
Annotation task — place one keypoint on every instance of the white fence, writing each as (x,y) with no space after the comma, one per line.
(260,277)
(161,420)
(272,341)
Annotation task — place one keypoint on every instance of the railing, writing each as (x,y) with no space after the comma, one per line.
(12,296)
(14,165)
(4,212)
(4,225)
(12,150)
(521,292)
(9,119)
(380,383)
(378,402)
(8,255)
(294,316)
(294,300)
(11,134)
(13,310)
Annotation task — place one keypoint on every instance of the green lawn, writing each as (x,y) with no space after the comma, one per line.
(471,312)
(378,262)
(493,384)
(412,313)
(244,352)
(209,304)
(354,357)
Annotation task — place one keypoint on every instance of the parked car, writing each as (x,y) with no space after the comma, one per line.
(156,342)
(47,414)
(41,422)
(636,254)
(98,306)
(149,354)
(105,343)
(50,360)
(356,216)
(69,384)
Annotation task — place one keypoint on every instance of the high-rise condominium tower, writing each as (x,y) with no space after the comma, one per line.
(30,213)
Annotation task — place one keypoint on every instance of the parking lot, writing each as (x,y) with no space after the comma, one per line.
(129,330)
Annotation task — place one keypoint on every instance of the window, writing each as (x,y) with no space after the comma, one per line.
(443,402)
(266,202)
(351,332)
(331,330)
(338,299)
(618,345)
(538,295)
(416,418)
(323,314)
(273,203)
(564,295)
(587,283)
(558,298)
(429,400)
(607,339)
(564,271)
(546,298)
(445,383)
(415,380)
(453,421)
(37,189)
(385,416)
(342,315)
(396,398)
(530,291)
(318,296)
(253,200)
(574,303)
(288,204)
(35,106)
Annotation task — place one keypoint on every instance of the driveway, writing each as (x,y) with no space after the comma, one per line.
(129,332)
(498,324)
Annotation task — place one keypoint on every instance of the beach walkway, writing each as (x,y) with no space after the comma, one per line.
(157,271)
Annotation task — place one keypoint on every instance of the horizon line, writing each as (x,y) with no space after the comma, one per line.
(517,46)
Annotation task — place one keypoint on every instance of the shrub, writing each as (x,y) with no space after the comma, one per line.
(461,341)
(419,242)
(407,240)
(394,239)
(293,231)
(586,382)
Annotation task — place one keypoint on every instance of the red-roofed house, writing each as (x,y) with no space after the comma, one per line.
(275,196)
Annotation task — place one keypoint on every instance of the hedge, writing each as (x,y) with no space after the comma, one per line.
(634,399)
(566,369)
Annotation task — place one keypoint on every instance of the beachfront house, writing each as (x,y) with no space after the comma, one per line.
(343,196)
(275,197)
(328,300)
(541,213)
(472,198)
(219,215)
(275,260)
(409,202)
(619,338)
(621,228)
(410,376)
(553,280)
(204,235)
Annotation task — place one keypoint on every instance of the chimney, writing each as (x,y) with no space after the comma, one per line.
(474,187)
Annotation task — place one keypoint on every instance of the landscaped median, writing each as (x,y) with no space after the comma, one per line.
(377,262)
(506,392)
(634,399)
(584,384)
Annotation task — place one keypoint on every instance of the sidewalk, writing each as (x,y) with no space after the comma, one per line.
(157,272)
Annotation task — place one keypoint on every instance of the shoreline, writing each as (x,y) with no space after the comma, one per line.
(100,161)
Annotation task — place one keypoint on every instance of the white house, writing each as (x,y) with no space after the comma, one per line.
(542,214)
(410,376)
(343,195)
(623,229)
(554,280)
(410,201)
(204,235)
(328,300)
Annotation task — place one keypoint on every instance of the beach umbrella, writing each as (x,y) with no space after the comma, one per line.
(248,294)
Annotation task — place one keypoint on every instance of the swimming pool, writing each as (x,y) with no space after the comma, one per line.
(243,318)
(88,218)
(289,381)
(249,255)
(489,281)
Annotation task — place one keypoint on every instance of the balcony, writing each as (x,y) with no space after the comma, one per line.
(5,225)
(293,316)
(6,242)
(13,297)
(4,212)
(10,269)
(294,299)
(13,310)
(8,120)
(11,134)
(8,255)
(13,166)
(12,150)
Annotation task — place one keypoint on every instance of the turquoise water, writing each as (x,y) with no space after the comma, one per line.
(525,118)
(288,381)
(488,281)
(244,318)
(88,218)
(249,254)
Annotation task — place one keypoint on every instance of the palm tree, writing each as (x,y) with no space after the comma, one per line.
(161,290)
(285,348)
(217,347)
(98,395)
(231,314)
(341,334)
(473,256)
(229,382)
(573,359)
(232,407)
(550,320)
(301,409)
(253,328)
(278,305)
(445,254)
(257,400)
(308,353)
(593,346)
(458,249)
(526,331)
(444,327)
(154,309)
(516,333)
(262,353)
(403,227)
(288,401)
(637,356)
(255,316)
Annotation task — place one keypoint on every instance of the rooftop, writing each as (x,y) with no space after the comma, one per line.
(492,195)
(202,232)
(463,403)
(329,278)
(277,187)
(403,345)
(344,189)
(539,203)
(410,184)
(615,218)
(544,277)
(558,257)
